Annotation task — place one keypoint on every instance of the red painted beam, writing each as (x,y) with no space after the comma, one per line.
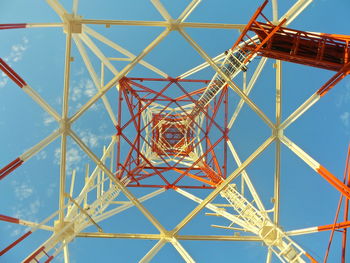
(195,177)
(10,167)
(168,79)
(9,219)
(345,224)
(334,80)
(32,257)
(170,186)
(49,259)
(12,26)
(334,181)
(12,74)
(346,206)
(2,252)
(257,13)
(312,260)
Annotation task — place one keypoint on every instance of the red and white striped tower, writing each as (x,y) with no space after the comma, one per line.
(173,134)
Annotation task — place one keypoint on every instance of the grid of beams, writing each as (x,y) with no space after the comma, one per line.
(77,29)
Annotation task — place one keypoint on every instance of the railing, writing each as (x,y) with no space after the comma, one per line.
(231,66)
(283,246)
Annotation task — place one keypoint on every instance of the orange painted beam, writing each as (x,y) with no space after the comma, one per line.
(216,162)
(194,177)
(343,72)
(334,181)
(312,260)
(345,224)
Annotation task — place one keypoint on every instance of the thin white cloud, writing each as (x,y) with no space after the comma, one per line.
(48,119)
(89,138)
(50,189)
(81,91)
(58,101)
(95,106)
(42,155)
(73,155)
(90,89)
(16,54)
(73,158)
(345,118)
(57,155)
(34,207)
(76,93)
(22,190)
(27,212)
(3,80)
(16,232)
(344,95)
(84,87)
(17,51)
(103,127)
(80,72)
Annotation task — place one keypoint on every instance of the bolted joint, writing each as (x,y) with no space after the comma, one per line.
(270,235)
(64,125)
(168,235)
(170,186)
(173,80)
(173,25)
(115,137)
(72,24)
(119,131)
(277,132)
(226,131)
(63,230)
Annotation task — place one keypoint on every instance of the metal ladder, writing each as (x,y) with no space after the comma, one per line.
(33,258)
(231,66)
(101,204)
(283,246)
(76,224)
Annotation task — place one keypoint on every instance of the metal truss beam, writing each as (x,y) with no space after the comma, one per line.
(253,106)
(117,182)
(121,74)
(94,78)
(215,192)
(178,237)
(158,24)
(154,250)
(65,121)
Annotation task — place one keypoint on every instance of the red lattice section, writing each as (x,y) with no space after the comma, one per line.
(161,144)
(171,135)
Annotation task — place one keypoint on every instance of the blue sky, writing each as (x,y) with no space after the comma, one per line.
(37,54)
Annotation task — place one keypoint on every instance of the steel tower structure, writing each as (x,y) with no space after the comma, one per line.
(173,134)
